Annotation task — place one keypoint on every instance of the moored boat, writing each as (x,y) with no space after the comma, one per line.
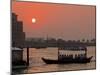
(67,59)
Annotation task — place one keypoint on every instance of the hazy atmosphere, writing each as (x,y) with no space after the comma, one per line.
(56,20)
(48,37)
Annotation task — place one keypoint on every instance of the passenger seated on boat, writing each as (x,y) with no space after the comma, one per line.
(78,56)
(75,56)
(81,56)
(60,57)
(71,56)
(66,56)
(63,55)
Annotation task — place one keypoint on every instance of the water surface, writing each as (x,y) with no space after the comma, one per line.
(37,65)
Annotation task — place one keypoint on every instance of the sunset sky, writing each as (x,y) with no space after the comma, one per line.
(56,20)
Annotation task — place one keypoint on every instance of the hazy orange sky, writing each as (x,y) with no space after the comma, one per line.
(56,20)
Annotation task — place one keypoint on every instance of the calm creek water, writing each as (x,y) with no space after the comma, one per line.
(37,65)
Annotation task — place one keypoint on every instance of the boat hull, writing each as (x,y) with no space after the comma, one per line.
(67,61)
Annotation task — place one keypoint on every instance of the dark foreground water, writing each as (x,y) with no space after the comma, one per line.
(37,65)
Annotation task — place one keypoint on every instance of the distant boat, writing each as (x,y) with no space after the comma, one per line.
(63,59)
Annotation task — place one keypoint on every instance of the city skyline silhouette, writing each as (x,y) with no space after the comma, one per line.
(70,22)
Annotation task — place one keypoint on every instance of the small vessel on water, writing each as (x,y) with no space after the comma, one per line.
(67,59)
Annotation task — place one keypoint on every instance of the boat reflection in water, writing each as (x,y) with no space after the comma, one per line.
(65,59)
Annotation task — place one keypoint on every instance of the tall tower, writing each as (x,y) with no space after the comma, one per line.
(18,36)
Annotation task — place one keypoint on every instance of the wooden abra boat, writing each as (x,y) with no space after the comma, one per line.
(67,59)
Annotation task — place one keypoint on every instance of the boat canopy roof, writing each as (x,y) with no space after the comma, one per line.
(75,48)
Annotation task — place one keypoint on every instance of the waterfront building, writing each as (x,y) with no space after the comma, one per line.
(18,36)
(18,39)
(17,54)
